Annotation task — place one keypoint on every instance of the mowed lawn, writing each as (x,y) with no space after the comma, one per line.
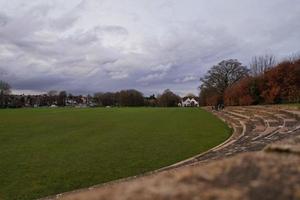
(294,105)
(49,151)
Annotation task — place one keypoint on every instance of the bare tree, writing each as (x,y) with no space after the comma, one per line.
(293,58)
(131,98)
(4,91)
(223,75)
(260,64)
(62,98)
(52,97)
(52,93)
(106,99)
(4,88)
(168,99)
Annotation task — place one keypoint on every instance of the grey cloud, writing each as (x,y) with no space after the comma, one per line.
(3,19)
(39,83)
(63,22)
(112,30)
(152,77)
(96,46)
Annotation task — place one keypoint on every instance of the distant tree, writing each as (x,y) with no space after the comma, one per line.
(131,98)
(62,98)
(70,98)
(52,93)
(52,97)
(293,58)
(260,64)
(151,101)
(220,77)
(106,99)
(32,100)
(152,96)
(5,90)
(98,98)
(43,100)
(168,99)
(89,99)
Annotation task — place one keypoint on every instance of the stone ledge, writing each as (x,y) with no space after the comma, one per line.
(291,146)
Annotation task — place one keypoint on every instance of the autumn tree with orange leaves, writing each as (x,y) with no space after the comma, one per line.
(280,84)
(273,85)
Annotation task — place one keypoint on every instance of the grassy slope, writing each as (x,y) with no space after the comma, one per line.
(48,151)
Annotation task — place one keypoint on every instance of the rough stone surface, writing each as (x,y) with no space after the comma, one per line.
(260,161)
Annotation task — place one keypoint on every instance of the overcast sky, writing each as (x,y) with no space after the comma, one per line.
(86,46)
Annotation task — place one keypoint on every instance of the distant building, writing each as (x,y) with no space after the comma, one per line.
(189,102)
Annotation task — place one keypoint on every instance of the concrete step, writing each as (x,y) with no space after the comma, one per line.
(267,132)
(290,123)
(238,115)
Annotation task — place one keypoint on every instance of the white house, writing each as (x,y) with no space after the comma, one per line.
(189,102)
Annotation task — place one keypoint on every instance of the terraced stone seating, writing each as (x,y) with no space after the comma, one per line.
(256,127)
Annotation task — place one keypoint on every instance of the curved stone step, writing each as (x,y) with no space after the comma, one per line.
(241,116)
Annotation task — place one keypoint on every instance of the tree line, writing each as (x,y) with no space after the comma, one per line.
(264,82)
(227,83)
(136,98)
(123,98)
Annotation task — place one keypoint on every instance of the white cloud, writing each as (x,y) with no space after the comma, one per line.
(152,77)
(187,78)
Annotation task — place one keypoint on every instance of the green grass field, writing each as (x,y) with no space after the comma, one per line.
(48,151)
(295,105)
(290,105)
